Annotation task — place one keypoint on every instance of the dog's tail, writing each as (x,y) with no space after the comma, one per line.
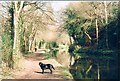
(53,67)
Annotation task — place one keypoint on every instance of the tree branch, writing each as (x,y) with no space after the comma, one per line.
(21,6)
(16,8)
(87,35)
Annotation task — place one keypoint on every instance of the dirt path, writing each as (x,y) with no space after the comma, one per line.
(31,69)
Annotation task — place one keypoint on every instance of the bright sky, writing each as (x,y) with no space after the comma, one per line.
(57,5)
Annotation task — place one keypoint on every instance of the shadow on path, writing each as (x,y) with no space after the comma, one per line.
(41,72)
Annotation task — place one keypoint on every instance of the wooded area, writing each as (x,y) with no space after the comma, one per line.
(88,32)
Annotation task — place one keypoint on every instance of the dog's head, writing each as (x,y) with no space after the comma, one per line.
(40,63)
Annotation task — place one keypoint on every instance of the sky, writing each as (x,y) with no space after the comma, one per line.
(58,5)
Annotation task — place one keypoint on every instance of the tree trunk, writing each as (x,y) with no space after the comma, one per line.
(96,22)
(31,41)
(106,22)
(30,44)
(87,35)
(16,44)
(96,25)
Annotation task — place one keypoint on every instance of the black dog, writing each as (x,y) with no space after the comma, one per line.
(46,66)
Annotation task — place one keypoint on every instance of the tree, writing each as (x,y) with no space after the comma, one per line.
(18,25)
(106,22)
(7,35)
(96,21)
(36,19)
(18,6)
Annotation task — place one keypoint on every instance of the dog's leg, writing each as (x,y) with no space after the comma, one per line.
(53,67)
(51,71)
(42,71)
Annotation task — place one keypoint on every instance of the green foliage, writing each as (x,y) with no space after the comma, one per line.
(71,48)
(0,51)
(7,36)
(7,43)
(47,55)
(74,25)
(77,24)
(53,50)
(65,72)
